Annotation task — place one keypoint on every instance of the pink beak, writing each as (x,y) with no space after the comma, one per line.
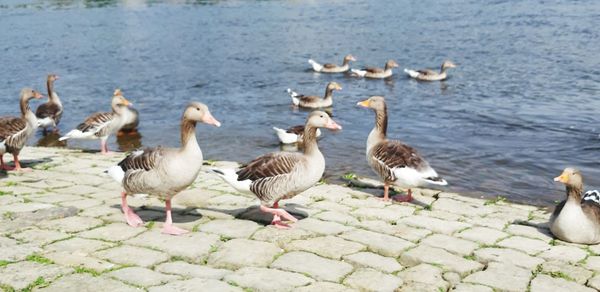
(332,125)
(209,119)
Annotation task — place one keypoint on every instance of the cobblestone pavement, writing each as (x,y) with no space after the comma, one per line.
(62,229)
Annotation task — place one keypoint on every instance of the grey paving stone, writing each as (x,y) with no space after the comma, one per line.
(501,276)
(239,253)
(192,271)
(383,244)
(76,244)
(315,266)
(20,275)
(112,232)
(141,276)
(402,231)
(508,256)
(482,235)
(87,283)
(39,236)
(543,283)
(331,206)
(193,246)
(71,224)
(529,231)
(434,224)
(372,280)
(333,193)
(368,203)
(375,261)
(593,263)
(569,254)
(321,227)
(577,273)
(528,245)
(334,216)
(594,282)
(324,286)
(79,259)
(24,207)
(54,198)
(82,204)
(425,274)
(326,246)
(388,214)
(436,256)
(461,207)
(466,287)
(193,285)
(263,279)
(131,255)
(231,228)
(451,244)
(11,250)
(281,236)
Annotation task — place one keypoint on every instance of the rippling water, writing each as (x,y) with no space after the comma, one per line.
(520,107)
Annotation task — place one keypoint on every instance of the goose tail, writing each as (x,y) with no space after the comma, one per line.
(411,73)
(359,73)
(316,66)
(230,176)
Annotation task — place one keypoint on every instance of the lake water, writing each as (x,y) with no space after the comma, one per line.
(521,106)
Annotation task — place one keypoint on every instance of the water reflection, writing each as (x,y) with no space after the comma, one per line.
(50,139)
(129,140)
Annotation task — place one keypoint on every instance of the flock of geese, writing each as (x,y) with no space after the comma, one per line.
(163,172)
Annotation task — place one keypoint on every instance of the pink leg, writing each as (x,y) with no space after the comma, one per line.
(277,215)
(130,216)
(406,198)
(168,227)
(104,148)
(18,164)
(386,188)
(4,166)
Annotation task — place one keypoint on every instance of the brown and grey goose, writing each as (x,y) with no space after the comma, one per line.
(164,172)
(282,175)
(332,68)
(577,218)
(49,113)
(15,131)
(131,117)
(431,75)
(313,101)
(395,162)
(102,125)
(378,73)
(292,135)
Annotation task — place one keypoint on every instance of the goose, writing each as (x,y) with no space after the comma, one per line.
(332,68)
(374,72)
(164,172)
(395,162)
(101,125)
(577,218)
(292,135)
(49,113)
(15,131)
(312,101)
(282,175)
(132,120)
(430,75)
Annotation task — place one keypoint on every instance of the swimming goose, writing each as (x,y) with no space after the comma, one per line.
(395,162)
(312,101)
(332,68)
(14,132)
(101,125)
(164,172)
(282,175)
(430,75)
(373,72)
(49,113)
(577,218)
(292,135)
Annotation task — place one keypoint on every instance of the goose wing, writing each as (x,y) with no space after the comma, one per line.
(390,155)
(96,122)
(269,165)
(329,66)
(46,110)
(298,130)
(373,70)
(144,160)
(427,72)
(13,131)
(590,204)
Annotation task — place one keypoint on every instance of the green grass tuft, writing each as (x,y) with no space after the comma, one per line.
(498,199)
(38,259)
(4,263)
(11,183)
(349,176)
(82,270)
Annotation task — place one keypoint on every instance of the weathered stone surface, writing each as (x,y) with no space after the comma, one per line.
(24,207)
(324,286)
(112,232)
(87,283)
(425,274)
(20,275)
(239,253)
(386,214)
(141,276)
(280,236)
(578,274)
(594,282)
(528,245)
(372,280)
(11,250)
(333,216)
(231,228)
(193,246)
(402,231)
(543,283)
(321,227)
(508,256)
(530,231)
(331,206)
(451,244)
(39,236)
(375,261)
(196,285)
(436,256)
(501,276)
(482,234)
(383,244)
(326,246)
(434,224)
(593,263)
(263,279)
(80,245)
(82,204)
(71,224)
(368,203)
(131,255)
(79,259)
(466,287)
(315,266)
(452,278)
(461,207)
(569,254)
(193,271)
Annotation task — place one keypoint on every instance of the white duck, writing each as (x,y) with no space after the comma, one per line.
(164,172)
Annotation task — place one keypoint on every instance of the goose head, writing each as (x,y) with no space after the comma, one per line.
(334,86)
(448,64)
(376,103)
(391,64)
(349,58)
(570,177)
(320,119)
(119,100)
(28,94)
(197,111)
(52,77)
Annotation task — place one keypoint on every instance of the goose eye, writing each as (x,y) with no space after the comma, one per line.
(197,108)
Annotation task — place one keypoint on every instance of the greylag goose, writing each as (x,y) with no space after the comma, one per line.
(14,132)
(577,218)
(131,117)
(313,101)
(164,172)
(101,125)
(374,72)
(431,75)
(332,68)
(282,175)
(292,135)
(49,113)
(395,162)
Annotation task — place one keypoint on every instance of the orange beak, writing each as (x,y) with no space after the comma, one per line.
(562,178)
(364,103)
(332,125)
(209,119)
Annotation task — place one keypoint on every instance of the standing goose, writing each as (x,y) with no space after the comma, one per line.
(313,101)
(332,68)
(14,132)
(430,75)
(101,125)
(395,162)
(131,117)
(49,113)
(282,175)
(374,72)
(577,218)
(292,135)
(164,172)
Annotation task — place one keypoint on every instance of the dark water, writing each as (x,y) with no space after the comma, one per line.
(520,107)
